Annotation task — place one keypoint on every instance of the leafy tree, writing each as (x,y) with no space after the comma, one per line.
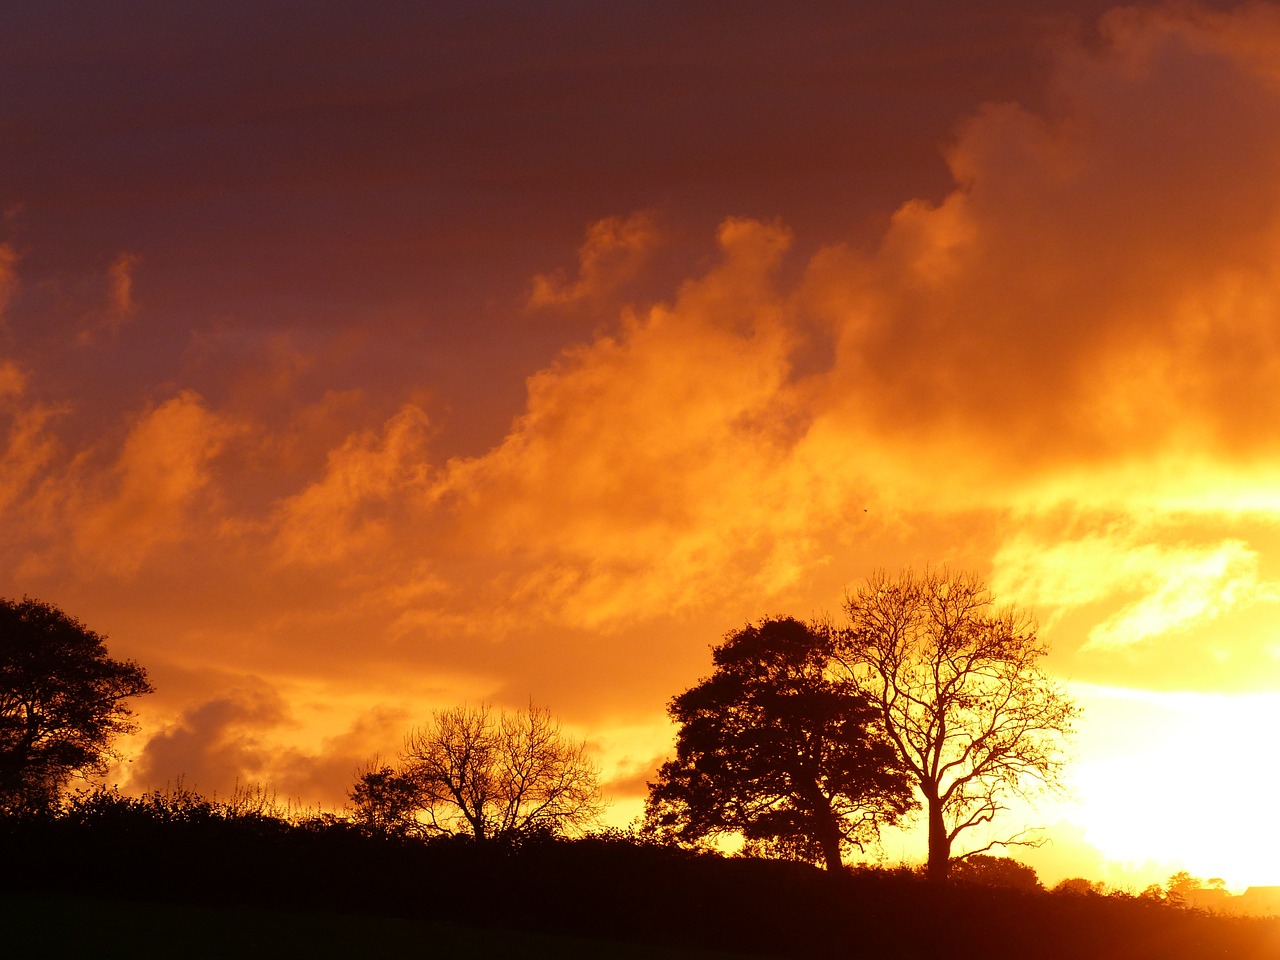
(384,801)
(62,702)
(958,685)
(497,777)
(995,872)
(1181,887)
(1080,887)
(771,747)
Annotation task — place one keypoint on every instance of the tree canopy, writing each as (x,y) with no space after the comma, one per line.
(995,872)
(958,685)
(468,771)
(62,701)
(772,747)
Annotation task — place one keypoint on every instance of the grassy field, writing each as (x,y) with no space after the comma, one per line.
(74,928)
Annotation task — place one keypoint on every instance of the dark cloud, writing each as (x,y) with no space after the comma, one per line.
(283,168)
(213,745)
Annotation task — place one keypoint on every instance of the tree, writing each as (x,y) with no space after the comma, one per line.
(1184,890)
(62,702)
(384,801)
(959,688)
(995,872)
(772,747)
(1080,887)
(500,777)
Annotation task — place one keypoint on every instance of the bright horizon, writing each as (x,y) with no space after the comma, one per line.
(361,367)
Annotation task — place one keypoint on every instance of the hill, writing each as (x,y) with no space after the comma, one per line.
(609,888)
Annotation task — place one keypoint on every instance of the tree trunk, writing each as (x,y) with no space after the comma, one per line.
(831,852)
(939,842)
(828,834)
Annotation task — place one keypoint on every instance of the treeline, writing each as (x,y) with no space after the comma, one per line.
(179,847)
(803,740)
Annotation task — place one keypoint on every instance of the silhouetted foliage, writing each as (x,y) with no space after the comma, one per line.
(1079,887)
(1179,885)
(1184,890)
(385,801)
(177,847)
(491,777)
(62,702)
(773,748)
(959,688)
(995,872)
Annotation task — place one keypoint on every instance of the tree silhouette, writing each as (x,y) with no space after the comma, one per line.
(995,872)
(1181,889)
(959,688)
(62,702)
(771,747)
(1080,887)
(498,777)
(384,801)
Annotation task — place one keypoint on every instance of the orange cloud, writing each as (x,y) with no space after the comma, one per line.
(1162,587)
(1100,287)
(29,446)
(213,745)
(347,512)
(612,255)
(121,274)
(147,496)
(652,467)
(1053,331)
(8,276)
(119,307)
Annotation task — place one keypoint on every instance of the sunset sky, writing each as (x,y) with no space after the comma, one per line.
(358,360)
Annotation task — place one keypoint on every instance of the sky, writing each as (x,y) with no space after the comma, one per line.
(358,361)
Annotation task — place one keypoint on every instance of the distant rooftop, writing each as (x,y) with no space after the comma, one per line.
(1255,901)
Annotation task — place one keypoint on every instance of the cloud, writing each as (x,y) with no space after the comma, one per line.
(1055,329)
(613,254)
(214,744)
(8,277)
(1162,588)
(653,466)
(347,512)
(27,445)
(121,273)
(327,774)
(119,306)
(1189,592)
(145,499)
(1099,290)
(13,382)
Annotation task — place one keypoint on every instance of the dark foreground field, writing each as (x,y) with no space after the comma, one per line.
(190,883)
(72,928)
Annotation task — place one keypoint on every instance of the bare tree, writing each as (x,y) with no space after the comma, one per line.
(503,776)
(962,696)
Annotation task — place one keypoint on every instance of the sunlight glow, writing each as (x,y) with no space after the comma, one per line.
(1181,777)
